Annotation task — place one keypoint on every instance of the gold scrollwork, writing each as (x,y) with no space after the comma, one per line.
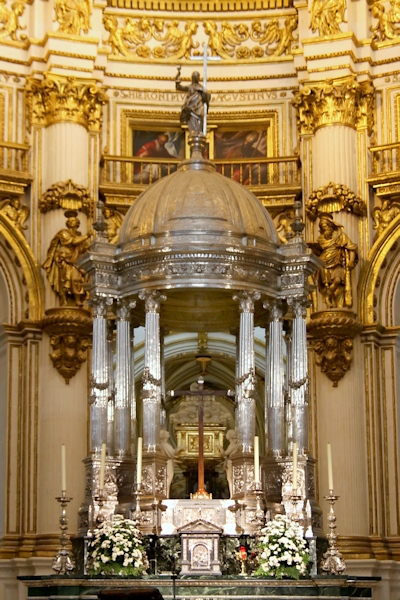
(73,16)
(334,332)
(69,329)
(388,25)
(327,15)
(15,212)
(157,38)
(334,198)
(58,99)
(9,20)
(384,215)
(68,196)
(341,101)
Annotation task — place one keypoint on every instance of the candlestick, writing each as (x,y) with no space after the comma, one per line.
(62,562)
(102,466)
(294,466)
(139,461)
(330,472)
(63,470)
(332,561)
(256,459)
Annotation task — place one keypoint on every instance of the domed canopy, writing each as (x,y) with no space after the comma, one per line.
(197,206)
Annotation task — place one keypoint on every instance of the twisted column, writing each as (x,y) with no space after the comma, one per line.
(246,372)
(152,371)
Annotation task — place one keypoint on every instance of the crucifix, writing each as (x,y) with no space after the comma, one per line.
(202,393)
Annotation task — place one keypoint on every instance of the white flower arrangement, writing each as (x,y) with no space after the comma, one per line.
(282,550)
(116,548)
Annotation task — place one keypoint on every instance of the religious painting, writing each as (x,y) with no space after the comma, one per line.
(161,147)
(233,148)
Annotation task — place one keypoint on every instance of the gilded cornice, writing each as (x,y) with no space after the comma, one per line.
(341,101)
(59,99)
(195,6)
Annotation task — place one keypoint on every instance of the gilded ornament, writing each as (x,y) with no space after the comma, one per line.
(339,255)
(277,39)
(70,330)
(132,39)
(342,101)
(9,20)
(327,15)
(113,221)
(334,332)
(64,276)
(73,16)
(388,25)
(334,198)
(46,101)
(68,196)
(15,212)
(283,223)
(384,215)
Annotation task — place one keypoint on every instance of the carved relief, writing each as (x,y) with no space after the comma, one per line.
(144,38)
(384,215)
(388,25)
(9,20)
(64,276)
(340,256)
(343,101)
(68,196)
(334,198)
(327,15)
(73,16)
(69,329)
(15,212)
(46,103)
(283,223)
(334,333)
(113,220)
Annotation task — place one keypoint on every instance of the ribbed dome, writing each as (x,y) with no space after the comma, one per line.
(197,205)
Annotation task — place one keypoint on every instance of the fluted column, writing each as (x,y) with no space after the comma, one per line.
(246,371)
(276,398)
(298,379)
(111,391)
(152,371)
(100,373)
(122,381)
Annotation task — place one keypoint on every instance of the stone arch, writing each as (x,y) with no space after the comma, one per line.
(378,290)
(18,284)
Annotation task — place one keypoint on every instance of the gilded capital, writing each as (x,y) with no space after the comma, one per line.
(59,99)
(342,101)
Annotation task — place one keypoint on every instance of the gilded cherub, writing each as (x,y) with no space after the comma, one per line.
(9,20)
(384,215)
(12,209)
(113,220)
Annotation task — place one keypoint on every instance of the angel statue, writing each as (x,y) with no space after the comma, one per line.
(113,220)
(195,107)
(233,446)
(171,453)
(64,276)
(12,209)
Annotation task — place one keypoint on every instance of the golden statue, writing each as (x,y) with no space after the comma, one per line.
(9,20)
(113,220)
(67,245)
(196,97)
(12,209)
(388,26)
(73,16)
(340,256)
(327,15)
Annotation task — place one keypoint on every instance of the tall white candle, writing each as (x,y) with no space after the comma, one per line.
(139,460)
(63,469)
(294,465)
(330,472)
(256,459)
(102,466)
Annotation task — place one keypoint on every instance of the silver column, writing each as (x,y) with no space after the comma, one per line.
(275,397)
(111,390)
(99,382)
(122,436)
(132,396)
(152,371)
(298,377)
(246,373)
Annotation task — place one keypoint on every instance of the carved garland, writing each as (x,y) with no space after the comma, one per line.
(68,196)
(334,198)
